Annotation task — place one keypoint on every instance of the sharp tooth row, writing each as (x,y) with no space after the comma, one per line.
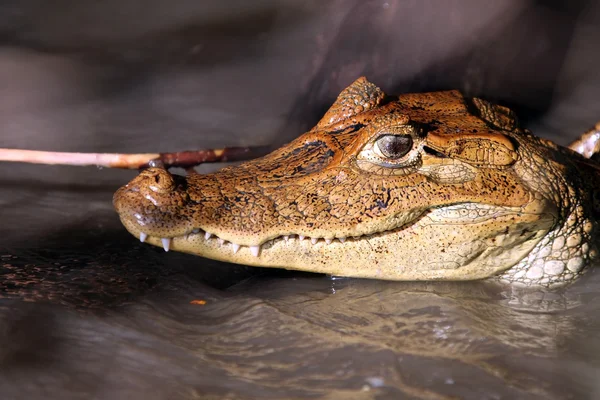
(254,250)
(166,242)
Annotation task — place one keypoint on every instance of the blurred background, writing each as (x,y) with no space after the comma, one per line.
(147,76)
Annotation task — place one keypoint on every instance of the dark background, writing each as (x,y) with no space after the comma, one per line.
(146,76)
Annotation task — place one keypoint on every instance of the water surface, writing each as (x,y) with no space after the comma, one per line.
(98,315)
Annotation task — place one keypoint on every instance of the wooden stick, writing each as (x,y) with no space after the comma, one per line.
(588,144)
(184,159)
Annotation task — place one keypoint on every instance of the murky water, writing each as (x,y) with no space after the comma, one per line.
(86,311)
(94,314)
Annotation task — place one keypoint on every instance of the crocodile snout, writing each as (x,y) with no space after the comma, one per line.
(154,203)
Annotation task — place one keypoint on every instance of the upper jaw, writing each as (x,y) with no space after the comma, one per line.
(254,243)
(215,237)
(254,249)
(185,206)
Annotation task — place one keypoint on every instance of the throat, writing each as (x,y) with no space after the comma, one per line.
(561,256)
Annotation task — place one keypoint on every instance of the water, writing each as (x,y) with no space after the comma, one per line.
(98,315)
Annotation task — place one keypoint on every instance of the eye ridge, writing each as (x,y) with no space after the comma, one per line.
(394,146)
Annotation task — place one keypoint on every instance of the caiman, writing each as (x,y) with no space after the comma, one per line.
(430,186)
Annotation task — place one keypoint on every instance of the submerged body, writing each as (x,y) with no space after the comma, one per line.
(428,186)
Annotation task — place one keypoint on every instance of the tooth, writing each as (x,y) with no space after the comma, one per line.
(143,237)
(328,241)
(235,247)
(255,250)
(207,235)
(300,237)
(221,241)
(195,230)
(166,242)
(286,238)
(314,240)
(342,239)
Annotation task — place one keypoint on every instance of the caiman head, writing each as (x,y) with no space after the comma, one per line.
(429,186)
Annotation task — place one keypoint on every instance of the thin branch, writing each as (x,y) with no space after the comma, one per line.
(184,159)
(188,159)
(110,160)
(588,144)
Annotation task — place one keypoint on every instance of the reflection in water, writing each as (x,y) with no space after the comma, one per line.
(293,336)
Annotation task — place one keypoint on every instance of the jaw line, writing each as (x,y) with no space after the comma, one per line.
(214,241)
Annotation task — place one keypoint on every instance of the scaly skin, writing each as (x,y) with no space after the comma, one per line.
(461,193)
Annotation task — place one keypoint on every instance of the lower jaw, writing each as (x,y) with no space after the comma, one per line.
(396,255)
(346,258)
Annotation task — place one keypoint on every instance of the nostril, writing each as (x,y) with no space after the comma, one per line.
(159,181)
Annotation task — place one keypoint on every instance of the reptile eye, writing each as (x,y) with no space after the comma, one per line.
(394,146)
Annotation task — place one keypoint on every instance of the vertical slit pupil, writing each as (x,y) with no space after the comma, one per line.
(394,146)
